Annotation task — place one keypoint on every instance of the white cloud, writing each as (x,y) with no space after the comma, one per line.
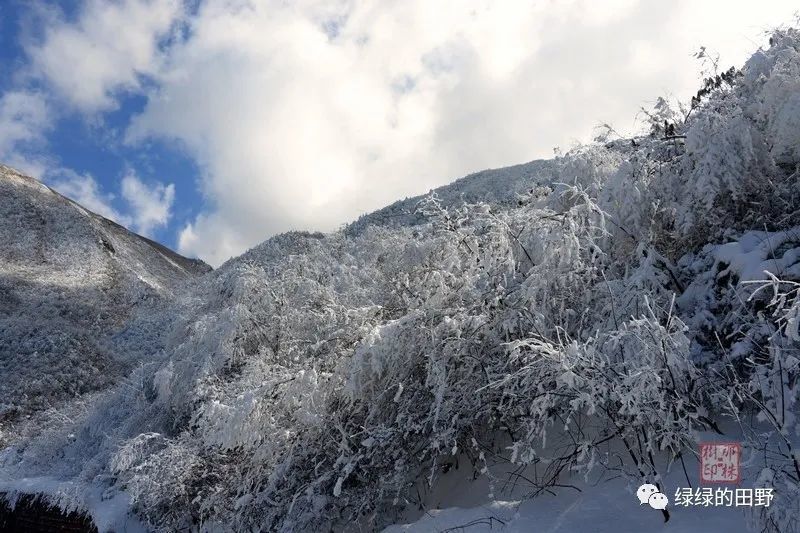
(305,114)
(150,206)
(24,119)
(147,206)
(110,46)
(83,189)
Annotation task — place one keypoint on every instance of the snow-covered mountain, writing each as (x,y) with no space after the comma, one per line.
(500,186)
(568,328)
(81,299)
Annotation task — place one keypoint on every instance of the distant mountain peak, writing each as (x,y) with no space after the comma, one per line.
(73,288)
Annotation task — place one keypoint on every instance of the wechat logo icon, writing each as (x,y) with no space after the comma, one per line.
(649,494)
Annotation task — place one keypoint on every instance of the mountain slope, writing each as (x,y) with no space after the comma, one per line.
(80,298)
(500,186)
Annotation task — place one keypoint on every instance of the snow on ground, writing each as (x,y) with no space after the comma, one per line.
(608,507)
(601,502)
(109,511)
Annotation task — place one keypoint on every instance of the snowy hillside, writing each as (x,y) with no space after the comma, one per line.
(521,349)
(496,186)
(80,299)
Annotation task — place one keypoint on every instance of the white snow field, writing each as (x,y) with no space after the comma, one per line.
(517,351)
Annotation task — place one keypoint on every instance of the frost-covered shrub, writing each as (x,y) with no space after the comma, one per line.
(321,413)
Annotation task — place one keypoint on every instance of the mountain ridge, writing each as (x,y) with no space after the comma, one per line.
(73,287)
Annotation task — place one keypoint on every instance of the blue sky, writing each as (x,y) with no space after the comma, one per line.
(96,149)
(211,125)
(91,143)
